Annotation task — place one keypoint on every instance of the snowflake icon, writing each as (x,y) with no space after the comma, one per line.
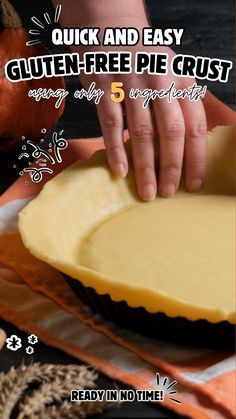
(33,339)
(13,343)
(29,350)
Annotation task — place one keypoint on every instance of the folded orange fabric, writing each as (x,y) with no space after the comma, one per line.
(36,298)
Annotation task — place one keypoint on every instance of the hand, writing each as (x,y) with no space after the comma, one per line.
(176,131)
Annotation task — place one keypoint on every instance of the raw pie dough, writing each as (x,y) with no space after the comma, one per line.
(175,255)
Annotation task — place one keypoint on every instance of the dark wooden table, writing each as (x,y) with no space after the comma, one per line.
(209,31)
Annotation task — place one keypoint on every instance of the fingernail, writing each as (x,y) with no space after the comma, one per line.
(120,170)
(195,185)
(168,190)
(149,193)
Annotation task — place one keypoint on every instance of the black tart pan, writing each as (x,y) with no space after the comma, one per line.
(199,333)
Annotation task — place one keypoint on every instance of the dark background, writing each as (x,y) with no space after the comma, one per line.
(209,31)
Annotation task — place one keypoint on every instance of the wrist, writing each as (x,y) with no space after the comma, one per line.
(85,13)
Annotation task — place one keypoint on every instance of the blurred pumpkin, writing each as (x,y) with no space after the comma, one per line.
(21,115)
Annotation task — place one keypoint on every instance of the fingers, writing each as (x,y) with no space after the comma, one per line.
(171,129)
(142,140)
(141,132)
(182,134)
(195,160)
(111,120)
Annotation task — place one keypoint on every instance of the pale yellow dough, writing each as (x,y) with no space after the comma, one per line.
(173,255)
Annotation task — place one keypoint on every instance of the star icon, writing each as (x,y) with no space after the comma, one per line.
(29,350)
(33,339)
(13,343)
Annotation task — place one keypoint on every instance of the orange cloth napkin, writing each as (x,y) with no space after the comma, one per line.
(36,298)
